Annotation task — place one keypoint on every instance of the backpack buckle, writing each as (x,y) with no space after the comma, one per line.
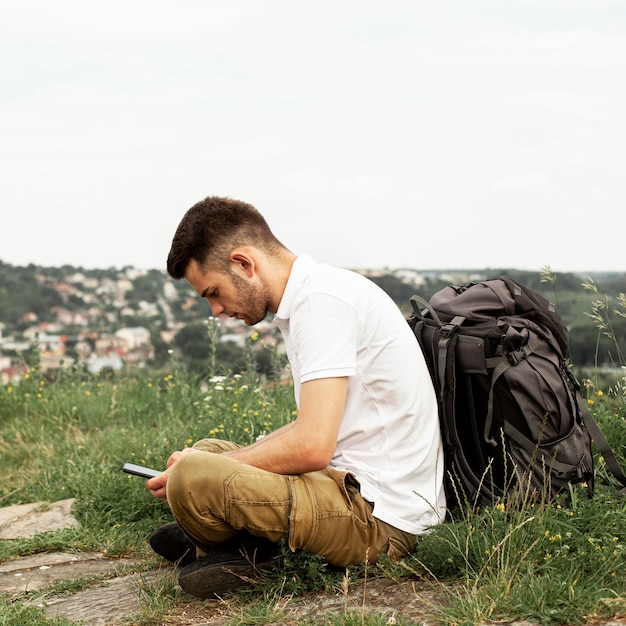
(452,326)
(517,356)
(448,329)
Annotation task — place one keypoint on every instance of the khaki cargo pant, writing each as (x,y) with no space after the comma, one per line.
(213,497)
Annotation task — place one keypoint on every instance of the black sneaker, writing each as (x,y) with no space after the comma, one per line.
(228,567)
(170,542)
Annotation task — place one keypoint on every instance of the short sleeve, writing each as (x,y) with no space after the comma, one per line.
(324,332)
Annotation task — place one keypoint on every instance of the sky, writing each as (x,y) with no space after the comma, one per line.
(371,134)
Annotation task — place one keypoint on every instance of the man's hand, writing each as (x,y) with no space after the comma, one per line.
(158,484)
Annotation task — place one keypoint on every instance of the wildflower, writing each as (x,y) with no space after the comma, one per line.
(254,336)
(500,507)
(590,402)
(600,393)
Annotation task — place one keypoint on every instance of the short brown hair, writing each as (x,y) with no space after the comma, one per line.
(212,228)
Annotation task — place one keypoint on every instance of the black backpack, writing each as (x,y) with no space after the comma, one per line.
(512,418)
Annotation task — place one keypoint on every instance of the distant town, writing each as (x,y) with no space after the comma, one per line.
(109,320)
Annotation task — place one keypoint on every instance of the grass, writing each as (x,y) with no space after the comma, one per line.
(67,437)
(552,564)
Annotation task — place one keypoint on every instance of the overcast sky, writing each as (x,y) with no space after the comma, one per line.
(382,133)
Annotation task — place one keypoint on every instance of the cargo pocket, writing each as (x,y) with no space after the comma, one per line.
(397,549)
(347,483)
(303,515)
(316,498)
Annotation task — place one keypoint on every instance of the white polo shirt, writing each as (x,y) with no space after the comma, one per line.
(338,323)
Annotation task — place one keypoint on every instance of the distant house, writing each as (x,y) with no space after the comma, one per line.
(70,318)
(95,363)
(124,285)
(110,344)
(135,337)
(148,309)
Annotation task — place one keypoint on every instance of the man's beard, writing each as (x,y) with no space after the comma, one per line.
(253,301)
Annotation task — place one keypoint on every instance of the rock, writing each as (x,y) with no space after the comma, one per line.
(26,520)
(109,603)
(41,570)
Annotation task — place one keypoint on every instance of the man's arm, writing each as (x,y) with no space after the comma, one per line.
(308,443)
(304,445)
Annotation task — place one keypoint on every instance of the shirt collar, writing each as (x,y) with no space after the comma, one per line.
(300,270)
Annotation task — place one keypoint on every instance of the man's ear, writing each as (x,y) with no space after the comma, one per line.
(243,261)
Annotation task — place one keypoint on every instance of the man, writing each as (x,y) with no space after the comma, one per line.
(359,472)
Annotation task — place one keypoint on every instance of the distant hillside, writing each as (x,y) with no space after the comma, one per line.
(73,301)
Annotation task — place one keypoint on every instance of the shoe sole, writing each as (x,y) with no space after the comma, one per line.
(218,579)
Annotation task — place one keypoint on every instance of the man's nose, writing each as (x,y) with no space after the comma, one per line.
(216,308)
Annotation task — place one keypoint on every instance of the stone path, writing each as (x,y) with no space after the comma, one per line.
(112,593)
(115,595)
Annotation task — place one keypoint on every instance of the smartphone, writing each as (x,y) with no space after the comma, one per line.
(139,470)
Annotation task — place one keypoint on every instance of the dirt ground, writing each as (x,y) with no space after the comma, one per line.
(410,600)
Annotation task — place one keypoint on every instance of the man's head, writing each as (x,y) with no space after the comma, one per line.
(212,229)
(228,254)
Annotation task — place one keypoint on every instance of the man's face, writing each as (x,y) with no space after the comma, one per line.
(234,294)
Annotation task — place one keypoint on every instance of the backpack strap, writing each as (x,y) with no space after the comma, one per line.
(500,365)
(417,302)
(447,331)
(603,446)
